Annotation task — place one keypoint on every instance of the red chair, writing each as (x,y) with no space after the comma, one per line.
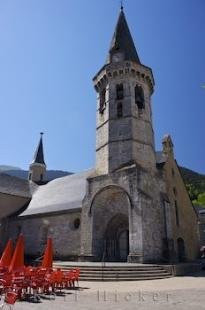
(6,282)
(70,279)
(3,270)
(18,284)
(59,279)
(11,297)
(76,273)
(54,281)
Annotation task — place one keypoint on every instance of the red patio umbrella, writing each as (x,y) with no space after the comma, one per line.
(48,255)
(17,261)
(7,254)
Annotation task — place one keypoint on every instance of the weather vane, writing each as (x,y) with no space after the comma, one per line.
(121,5)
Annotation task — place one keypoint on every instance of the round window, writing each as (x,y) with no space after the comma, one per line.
(76,223)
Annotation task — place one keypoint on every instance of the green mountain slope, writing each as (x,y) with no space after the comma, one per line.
(195,183)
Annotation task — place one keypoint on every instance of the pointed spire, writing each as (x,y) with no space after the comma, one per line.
(122,41)
(39,156)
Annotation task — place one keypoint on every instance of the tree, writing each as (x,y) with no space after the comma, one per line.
(201,199)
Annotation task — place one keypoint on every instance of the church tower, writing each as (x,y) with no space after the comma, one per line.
(124,118)
(123,213)
(37,168)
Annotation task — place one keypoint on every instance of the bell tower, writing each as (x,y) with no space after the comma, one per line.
(37,168)
(124,87)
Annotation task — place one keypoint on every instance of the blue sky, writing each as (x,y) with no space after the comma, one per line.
(51,49)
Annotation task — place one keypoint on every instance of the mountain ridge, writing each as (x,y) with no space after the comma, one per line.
(194,181)
(23,174)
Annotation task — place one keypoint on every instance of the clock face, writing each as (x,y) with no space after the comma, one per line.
(117,57)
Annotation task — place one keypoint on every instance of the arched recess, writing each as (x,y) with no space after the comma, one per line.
(117,238)
(181,250)
(108,187)
(110,210)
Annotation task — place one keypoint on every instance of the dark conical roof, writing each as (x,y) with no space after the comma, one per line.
(39,156)
(122,41)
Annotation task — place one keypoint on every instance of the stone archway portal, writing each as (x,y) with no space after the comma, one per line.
(110,210)
(117,239)
(123,242)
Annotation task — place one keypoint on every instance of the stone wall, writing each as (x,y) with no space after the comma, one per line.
(11,204)
(130,137)
(154,225)
(37,172)
(36,230)
(186,227)
(135,193)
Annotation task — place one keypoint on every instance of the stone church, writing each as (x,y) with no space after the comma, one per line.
(133,205)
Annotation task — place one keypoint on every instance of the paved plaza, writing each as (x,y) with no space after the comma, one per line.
(173,293)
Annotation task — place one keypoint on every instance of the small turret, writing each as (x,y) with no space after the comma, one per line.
(168,146)
(37,169)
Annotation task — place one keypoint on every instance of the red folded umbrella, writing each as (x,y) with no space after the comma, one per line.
(7,254)
(17,261)
(48,255)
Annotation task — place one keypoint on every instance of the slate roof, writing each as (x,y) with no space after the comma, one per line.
(39,156)
(14,186)
(122,41)
(60,194)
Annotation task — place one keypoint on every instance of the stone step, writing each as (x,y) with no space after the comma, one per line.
(109,268)
(125,279)
(124,272)
(121,270)
(108,265)
(117,276)
(118,272)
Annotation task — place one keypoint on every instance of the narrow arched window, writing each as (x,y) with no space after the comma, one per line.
(119,91)
(102,100)
(139,97)
(119,110)
(176,212)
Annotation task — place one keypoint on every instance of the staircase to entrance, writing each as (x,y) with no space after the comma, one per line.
(117,271)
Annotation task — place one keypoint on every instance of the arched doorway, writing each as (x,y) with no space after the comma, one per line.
(181,250)
(109,212)
(117,239)
(123,241)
